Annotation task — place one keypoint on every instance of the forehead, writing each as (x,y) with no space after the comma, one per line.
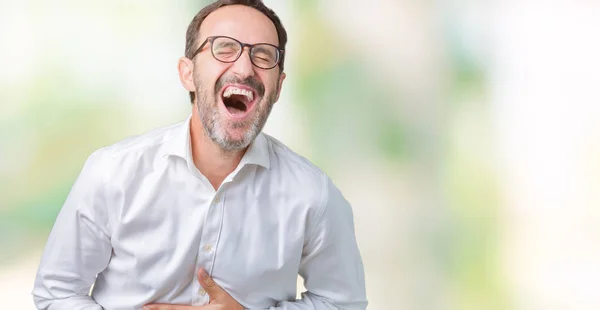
(240,22)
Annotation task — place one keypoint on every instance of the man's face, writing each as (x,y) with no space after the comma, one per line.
(233,100)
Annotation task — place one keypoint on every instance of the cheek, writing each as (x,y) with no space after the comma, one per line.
(271,82)
(206,74)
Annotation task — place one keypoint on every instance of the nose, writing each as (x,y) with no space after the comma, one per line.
(243,67)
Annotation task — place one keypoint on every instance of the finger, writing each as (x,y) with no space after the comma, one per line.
(212,289)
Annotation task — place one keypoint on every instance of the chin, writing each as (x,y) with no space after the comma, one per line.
(234,139)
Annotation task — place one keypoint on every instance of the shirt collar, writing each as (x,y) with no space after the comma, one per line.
(179,144)
(257,152)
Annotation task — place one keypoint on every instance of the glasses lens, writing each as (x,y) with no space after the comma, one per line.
(265,56)
(225,49)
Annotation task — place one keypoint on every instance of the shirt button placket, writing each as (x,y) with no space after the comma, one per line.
(210,238)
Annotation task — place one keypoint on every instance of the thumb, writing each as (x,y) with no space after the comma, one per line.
(212,289)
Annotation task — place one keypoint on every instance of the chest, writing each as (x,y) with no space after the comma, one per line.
(249,237)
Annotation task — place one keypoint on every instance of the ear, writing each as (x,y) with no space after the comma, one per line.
(280,83)
(186,73)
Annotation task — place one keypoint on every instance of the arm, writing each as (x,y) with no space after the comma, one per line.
(331,264)
(78,247)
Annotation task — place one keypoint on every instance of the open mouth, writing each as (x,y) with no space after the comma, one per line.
(237,100)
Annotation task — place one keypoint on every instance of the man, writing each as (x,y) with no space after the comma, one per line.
(211,197)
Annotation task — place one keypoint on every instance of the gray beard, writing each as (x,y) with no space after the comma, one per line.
(215,129)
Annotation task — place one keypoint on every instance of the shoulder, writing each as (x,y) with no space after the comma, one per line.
(293,166)
(130,151)
(152,139)
(328,206)
(298,174)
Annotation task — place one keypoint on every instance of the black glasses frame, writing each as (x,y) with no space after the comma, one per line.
(280,51)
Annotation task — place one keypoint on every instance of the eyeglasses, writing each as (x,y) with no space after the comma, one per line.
(226,49)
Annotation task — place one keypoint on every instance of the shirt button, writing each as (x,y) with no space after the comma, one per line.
(202,292)
(207,248)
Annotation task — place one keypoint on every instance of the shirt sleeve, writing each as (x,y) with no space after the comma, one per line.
(331,265)
(78,247)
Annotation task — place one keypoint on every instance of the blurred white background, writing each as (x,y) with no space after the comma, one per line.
(465,134)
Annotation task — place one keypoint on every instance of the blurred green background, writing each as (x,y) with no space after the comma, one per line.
(469,157)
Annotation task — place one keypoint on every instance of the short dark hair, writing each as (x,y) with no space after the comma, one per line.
(191,36)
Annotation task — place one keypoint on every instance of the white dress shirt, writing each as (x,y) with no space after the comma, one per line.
(141,220)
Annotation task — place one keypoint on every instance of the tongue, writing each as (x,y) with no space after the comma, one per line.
(234,110)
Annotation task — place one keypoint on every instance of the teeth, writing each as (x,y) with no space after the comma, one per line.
(238,91)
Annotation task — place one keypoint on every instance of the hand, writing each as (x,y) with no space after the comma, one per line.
(218,298)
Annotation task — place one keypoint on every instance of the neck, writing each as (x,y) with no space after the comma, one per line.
(214,163)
